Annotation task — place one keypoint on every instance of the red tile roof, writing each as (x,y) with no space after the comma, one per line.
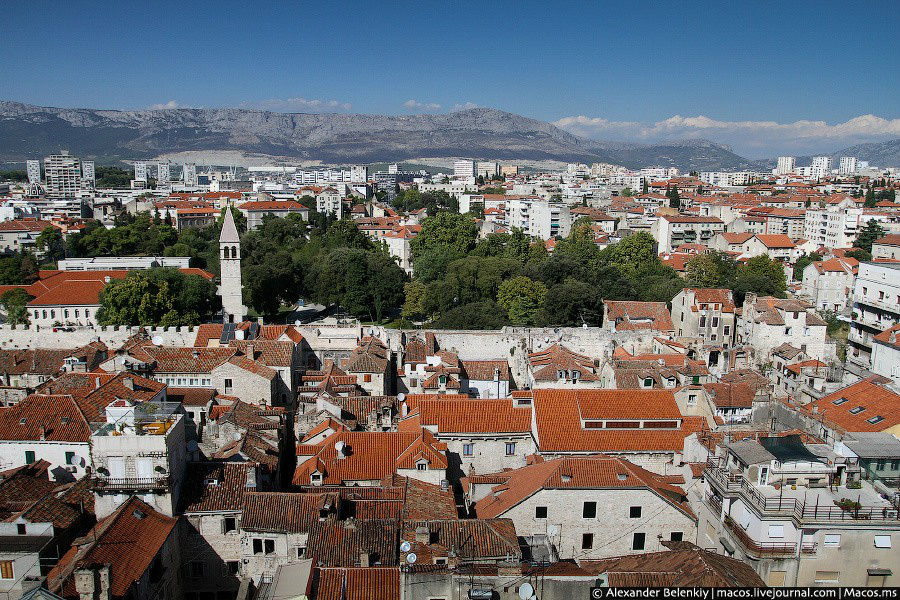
(475,416)
(358,583)
(595,472)
(876,401)
(731,395)
(128,540)
(54,418)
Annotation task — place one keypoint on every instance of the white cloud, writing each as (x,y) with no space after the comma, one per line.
(753,138)
(167,106)
(415,105)
(298,104)
(463,106)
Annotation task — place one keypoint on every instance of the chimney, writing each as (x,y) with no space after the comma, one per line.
(364,558)
(251,478)
(251,352)
(97,383)
(92,583)
(128,382)
(423,535)
(43,433)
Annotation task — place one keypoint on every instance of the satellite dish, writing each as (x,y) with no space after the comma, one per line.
(192,445)
(81,462)
(157,340)
(339,446)
(411,557)
(401,397)
(405,547)
(526,591)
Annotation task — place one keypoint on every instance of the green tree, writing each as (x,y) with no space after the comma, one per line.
(674,197)
(711,270)
(50,244)
(477,315)
(868,234)
(18,269)
(572,303)
(803,262)
(165,297)
(627,192)
(760,275)
(15,305)
(521,298)
(444,237)
(870,198)
(414,301)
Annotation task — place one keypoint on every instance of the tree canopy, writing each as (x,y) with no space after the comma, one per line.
(164,297)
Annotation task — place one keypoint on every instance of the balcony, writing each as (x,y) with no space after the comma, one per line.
(759,549)
(109,484)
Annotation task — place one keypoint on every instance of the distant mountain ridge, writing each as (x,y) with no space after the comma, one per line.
(28,131)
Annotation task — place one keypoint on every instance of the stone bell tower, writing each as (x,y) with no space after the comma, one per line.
(231,289)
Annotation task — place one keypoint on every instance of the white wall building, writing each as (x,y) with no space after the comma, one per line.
(786,164)
(848,165)
(876,307)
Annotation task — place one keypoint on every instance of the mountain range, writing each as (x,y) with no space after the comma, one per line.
(28,131)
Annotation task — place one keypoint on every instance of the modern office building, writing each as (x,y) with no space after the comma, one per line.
(464,168)
(786,164)
(34,171)
(848,165)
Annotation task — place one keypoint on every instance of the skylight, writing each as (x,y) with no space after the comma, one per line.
(875,420)
(857,409)
(839,401)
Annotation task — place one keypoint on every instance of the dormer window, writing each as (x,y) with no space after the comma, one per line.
(648,382)
(576,375)
(422,466)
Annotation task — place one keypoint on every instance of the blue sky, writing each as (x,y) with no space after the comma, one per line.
(605,69)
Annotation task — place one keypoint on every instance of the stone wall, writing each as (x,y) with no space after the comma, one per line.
(13,337)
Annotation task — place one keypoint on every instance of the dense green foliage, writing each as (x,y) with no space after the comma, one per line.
(18,269)
(760,275)
(14,303)
(19,175)
(165,297)
(803,262)
(463,282)
(432,202)
(868,234)
(112,177)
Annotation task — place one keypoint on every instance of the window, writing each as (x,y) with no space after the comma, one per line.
(70,458)
(21,529)
(29,457)
(587,541)
(832,540)
(776,531)
(895,465)
(197,568)
(827,576)
(882,541)
(269,546)
(880,465)
(648,382)
(875,420)
(638,541)
(677,536)
(727,329)
(589,511)
(787,331)
(229,524)
(228,385)
(234,567)
(857,409)
(421,466)
(468,449)
(510,448)
(301,552)
(692,399)
(715,321)
(634,512)
(839,401)
(6,569)
(257,546)
(540,512)
(702,321)
(367,378)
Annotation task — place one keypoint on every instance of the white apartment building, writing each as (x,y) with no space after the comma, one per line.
(886,354)
(767,323)
(671,231)
(848,165)
(828,284)
(487,169)
(821,166)
(34,171)
(786,164)
(876,307)
(659,173)
(728,178)
(539,218)
(62,173)
(464,168)
(834,226)
(328,202)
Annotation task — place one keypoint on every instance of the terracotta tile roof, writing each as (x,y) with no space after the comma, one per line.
(685,565)
(413,401)
(81,288)
(191,396)
(373,456)
(632,316)
(735,238)
(128,540)
(272,205)
(878,404)
(369,583)
(22,487)
(546,363)
(285,512)
(677,261)
(889,336)
(268,352)
(215,487)
(722,297)
(691,219)
(370,356)
(558,415)
(468,540)
(483,370)
(252,446)
(173,359)
(775,240)
(33,225)
(594,472)
(48,361)
(340,544)
(892,239)
(54,418)
(475,416)
(252,366)
(816,365)
(731,395)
